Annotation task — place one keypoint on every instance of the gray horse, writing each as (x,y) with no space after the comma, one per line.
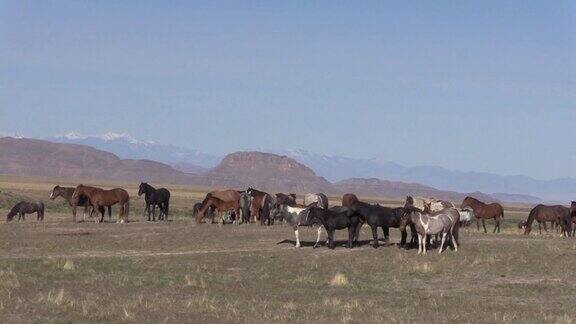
(296,217)
(319,198)
(244,203)
(443,222)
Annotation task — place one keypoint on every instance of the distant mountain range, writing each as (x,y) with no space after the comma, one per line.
(336,168)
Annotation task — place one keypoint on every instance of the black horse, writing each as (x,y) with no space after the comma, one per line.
(155,197)
(379,216)
(22,208)
(333,220)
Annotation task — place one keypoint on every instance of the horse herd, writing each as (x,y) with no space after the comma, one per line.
(426,217)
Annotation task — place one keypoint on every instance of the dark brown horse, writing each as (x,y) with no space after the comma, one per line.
(67,192)
(285,199)
(543,213)
(484,211)
(22,208)
(349,199)
(257,202)
(218,204)
(100,197)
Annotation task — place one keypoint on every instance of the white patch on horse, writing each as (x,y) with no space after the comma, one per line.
(297,238)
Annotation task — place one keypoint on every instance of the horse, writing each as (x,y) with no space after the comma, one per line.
(100,197)
(67,192)
(285,199)
(466,216)
(294,216)
(333,220)
(230,197)
(268,204)
(484,211)
(543,213)
(244,205)
(155,197)
(444,222)
(417,202)
(22,208)
(219,205)
(257,202)
(349,199)
(319,198)
(378,216)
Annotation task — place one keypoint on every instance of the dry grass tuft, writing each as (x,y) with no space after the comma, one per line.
(339,279)
(68,265)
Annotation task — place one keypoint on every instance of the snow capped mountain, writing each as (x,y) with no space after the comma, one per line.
(126,146)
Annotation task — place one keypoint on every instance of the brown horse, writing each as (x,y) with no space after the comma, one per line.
(543,213)
(484,211)
(285,199)
(100,197)
(67,192)
(220,205)
(257,202)
(349,199)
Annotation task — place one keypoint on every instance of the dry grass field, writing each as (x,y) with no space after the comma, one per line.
(178,271)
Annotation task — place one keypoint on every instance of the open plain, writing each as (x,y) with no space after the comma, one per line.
(179,271)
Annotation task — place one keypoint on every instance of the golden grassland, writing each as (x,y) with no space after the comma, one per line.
(178,271)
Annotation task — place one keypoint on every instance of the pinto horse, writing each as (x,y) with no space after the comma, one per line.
(22,208)
(444,222)
(67,192)
(319,198)
(155,197)
(484,211)
(100,197)
(543,213)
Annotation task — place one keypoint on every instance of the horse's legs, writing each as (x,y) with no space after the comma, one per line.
(540,227)
(453,240)
(318,237)
(477,224)
(404,235)
(331,239)
(419,243)
(386,231)
(442,243)
(497,224)
(351,231)
(484,225)
(375,236)
(154,213)
(545,228)
(424,242)
(357,234)
(297,237)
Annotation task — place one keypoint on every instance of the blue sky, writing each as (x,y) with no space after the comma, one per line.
(468,85)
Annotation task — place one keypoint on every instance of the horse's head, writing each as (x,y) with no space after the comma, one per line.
(142,188)
(250,191)
(10,215)
(428,207)
(56,191)
(77,192)
(406,217)
(409,201)
(522,225)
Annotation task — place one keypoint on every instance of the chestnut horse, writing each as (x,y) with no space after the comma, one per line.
(67,192)
(100,197)
(349,199)
(484,211)
(229,196)
(220,205)
(543,213)
(573,216)
(285,199)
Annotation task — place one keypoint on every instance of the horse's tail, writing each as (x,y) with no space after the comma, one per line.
(40,210)
(501,211)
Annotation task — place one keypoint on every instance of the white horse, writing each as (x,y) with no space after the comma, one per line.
(443,222)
